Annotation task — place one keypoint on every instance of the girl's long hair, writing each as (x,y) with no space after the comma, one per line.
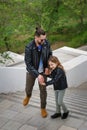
(55,60)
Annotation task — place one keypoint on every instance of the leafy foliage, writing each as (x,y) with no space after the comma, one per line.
(63,21)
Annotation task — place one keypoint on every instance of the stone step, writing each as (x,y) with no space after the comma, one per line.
(75,99)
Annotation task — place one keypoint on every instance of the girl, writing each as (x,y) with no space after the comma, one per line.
(59,82)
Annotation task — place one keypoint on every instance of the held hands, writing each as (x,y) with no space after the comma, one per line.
(41,80)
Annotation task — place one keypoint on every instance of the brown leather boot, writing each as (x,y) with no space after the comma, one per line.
(44,113)
(26,100)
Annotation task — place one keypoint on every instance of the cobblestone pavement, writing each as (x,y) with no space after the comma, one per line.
(13,116)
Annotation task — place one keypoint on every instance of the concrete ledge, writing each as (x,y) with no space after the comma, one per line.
(76,71)
(73,51)
(11,60)
(74,61)
(12,79)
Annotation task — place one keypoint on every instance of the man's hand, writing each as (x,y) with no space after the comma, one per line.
(40,79)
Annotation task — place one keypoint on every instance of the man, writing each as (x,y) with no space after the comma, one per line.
(37,54)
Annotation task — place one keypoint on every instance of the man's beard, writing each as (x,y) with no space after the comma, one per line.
(39,43)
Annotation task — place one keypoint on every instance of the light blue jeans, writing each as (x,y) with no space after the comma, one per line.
(59,95)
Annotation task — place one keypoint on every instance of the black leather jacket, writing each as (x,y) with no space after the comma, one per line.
(32,59)
(58,79)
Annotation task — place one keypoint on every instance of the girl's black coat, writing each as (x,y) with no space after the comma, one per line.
(58,79)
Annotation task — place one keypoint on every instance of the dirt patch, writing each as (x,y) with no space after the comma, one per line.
(57,45)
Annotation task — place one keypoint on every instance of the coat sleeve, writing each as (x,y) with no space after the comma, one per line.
(28,62)
(55,79)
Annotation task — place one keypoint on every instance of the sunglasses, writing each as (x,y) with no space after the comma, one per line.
(42,40)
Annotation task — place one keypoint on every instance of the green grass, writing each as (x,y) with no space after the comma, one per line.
(71,34)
